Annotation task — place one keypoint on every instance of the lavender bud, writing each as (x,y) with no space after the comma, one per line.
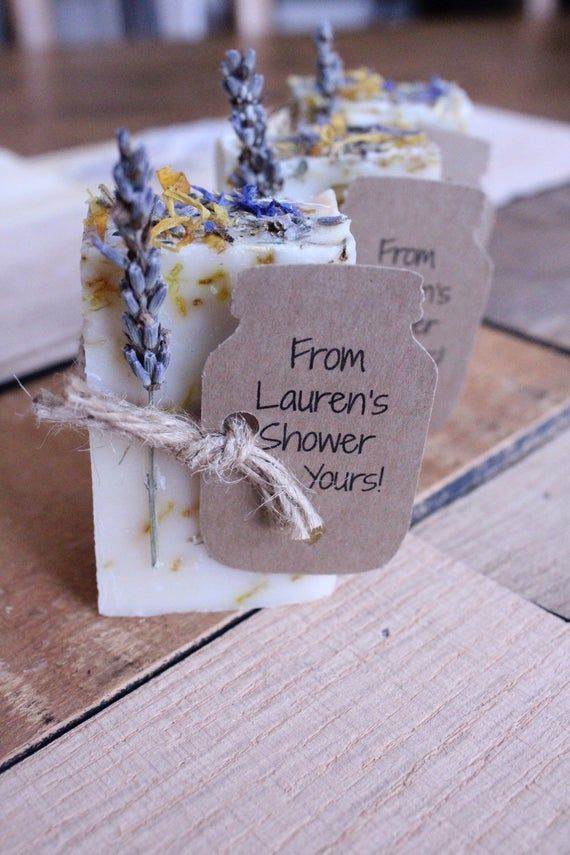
(110,254)
(135,206)
(159,374)
(131,329)
(136,278)
(257,86)
(140,373)
(124,188)
(232,86)
(152,270)
(140,166)
(248,137)
(249,113)
(249,59)
(151,329)
(157,298)
(123,141)
(330,70)
(233,59)
(149,197)
(131,302)
(149,362)
(163,350)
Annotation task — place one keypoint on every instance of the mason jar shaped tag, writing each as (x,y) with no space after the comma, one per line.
(324,362)
(464,158)
(438,230)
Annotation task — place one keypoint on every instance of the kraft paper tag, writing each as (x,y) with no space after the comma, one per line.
(464,158)
(436,229)
(325,360)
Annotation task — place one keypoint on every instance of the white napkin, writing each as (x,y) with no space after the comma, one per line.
(528,154)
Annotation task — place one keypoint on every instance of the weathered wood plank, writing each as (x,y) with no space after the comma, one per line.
(509,385)
(59,656)
(313,730)
(516,527)
(531,251)
(60,659)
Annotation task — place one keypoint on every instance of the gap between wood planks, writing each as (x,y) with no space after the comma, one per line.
(314,729)
(484,469)
(524,336)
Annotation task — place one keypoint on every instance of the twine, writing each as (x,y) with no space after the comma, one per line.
(231,455)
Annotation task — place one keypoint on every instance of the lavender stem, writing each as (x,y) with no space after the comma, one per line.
(147,347)
(151,488)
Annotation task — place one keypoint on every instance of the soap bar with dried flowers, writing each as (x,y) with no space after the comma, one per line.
(334,155)
(366,98)
(149,325)
(314,158)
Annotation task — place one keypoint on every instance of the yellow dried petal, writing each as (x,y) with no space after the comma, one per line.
(97,216)
(215,242)
(363,84)
(173,195)
(221,214)
(171,178)
(164,226)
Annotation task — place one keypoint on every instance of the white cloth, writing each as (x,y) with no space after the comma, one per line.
(528,154)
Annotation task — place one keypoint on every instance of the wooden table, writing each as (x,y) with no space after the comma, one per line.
(419,709)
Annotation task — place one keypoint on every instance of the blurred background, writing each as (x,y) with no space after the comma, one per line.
(44,23)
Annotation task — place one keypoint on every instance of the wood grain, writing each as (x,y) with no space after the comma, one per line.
(60,659)
(59,656)
(531,251)
(510,384)
(515,528)
(420,710)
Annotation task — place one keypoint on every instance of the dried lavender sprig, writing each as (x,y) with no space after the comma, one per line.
(244,86)
(147,348)
(330,69)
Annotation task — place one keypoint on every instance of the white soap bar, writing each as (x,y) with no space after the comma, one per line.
(320,158)
(367,99)
(197,312)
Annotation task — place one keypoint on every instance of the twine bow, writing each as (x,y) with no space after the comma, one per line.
(231,455)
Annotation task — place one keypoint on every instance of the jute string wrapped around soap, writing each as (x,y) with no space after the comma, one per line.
(231,455)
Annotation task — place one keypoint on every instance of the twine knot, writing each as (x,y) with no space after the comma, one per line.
(221,453)
(229,455)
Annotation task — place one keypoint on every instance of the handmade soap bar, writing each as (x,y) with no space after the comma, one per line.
(204,241)
(332,155)
(366,98)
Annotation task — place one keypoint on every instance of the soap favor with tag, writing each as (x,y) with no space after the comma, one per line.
(325,365)
(436,229)
(197,243)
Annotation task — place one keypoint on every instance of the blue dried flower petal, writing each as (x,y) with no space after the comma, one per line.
(438,87)
(247,199)
(207,196)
